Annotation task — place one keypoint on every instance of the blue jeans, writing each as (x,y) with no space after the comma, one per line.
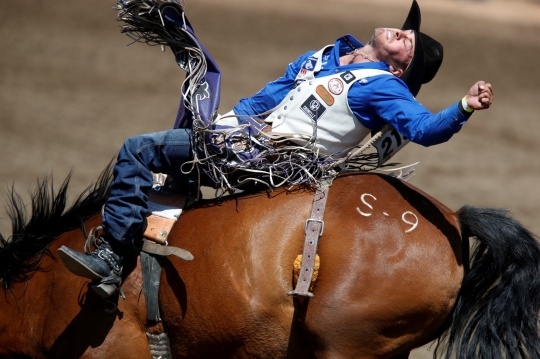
(160,152)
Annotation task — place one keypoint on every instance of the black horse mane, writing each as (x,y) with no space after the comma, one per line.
(22,253)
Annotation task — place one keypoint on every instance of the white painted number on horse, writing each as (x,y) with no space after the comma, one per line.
(405,217)
(408,222)
(363,198)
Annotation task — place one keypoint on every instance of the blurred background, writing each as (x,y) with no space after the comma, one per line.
(71,91)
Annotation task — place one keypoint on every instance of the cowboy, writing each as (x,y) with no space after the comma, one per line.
(347,90)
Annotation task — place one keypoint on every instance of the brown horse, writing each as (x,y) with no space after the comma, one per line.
(394,275)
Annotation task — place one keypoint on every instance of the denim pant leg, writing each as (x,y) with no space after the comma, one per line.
(161,152)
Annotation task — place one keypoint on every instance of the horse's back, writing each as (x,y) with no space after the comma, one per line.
(390,272)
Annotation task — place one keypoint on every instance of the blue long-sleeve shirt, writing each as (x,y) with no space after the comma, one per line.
(375,101)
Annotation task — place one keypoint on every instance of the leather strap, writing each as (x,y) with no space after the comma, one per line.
(151,270)
(158,228)
(314,228)
(151,260)
(161,250)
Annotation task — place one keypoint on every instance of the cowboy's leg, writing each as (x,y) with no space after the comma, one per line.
(126,207)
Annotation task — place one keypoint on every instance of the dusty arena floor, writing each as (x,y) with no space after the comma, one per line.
(71,91)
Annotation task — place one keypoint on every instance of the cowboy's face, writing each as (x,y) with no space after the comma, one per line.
(394,46)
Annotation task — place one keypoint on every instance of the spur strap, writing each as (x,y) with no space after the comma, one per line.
(313,229)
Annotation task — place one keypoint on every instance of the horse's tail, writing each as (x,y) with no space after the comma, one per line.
(496,313)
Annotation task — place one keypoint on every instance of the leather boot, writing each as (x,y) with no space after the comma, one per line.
(102,265)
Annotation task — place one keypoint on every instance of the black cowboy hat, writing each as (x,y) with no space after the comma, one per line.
(428,54)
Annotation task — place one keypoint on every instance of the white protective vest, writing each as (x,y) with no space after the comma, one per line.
(319,107)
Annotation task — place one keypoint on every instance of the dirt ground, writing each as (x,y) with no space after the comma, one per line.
(71,91)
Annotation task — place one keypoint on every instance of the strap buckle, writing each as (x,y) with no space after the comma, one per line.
(314,220)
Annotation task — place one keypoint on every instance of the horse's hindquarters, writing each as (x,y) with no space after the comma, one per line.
(391,268)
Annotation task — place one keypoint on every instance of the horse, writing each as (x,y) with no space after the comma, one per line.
(395,273)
